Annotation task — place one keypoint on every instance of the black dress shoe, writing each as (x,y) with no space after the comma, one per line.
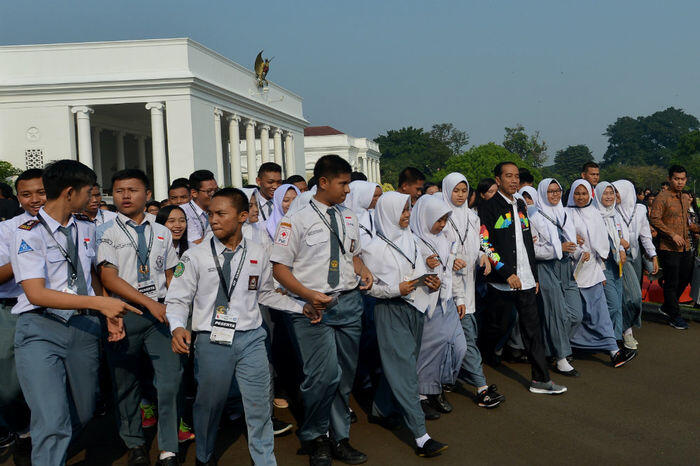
(389,422)
(138,457)
(343,451)
(448,387)
(429,411)
(431,448)
(319,451)
(440,403)
(169,461)
(353,417)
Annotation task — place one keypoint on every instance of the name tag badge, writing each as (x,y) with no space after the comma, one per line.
(148,288)
(224,327)
(352,245)
(253,282)
(70,290)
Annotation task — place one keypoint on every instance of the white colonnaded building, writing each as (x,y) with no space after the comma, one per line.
(362,153)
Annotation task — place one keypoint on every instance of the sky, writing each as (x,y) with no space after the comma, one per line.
(565,68)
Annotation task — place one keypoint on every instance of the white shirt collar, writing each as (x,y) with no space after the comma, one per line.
(220,248)
(127,220)
(52,223)
(511,202)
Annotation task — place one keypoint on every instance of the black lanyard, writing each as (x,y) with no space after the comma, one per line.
(201,224)
(397,249)
(261,208)
(461,240)
(366,230)
(434,251)
(222,279)
(143,264)
(328,224)
(74,268)
(634,211)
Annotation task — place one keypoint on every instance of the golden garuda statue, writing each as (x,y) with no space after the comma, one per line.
(262,66)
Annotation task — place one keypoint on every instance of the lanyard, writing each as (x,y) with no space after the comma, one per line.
(366,230)
(328,224)
(74,269)
(434,251)
(143,264)
(199,219)
(397,249)
(262,207)
(461,240)
(627,222)
(222,279)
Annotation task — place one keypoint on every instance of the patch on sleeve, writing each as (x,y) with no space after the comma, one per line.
(24,247)
(283,234)
(179,269)
(29,225)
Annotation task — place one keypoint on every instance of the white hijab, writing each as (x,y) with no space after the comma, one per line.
(427,211)
(277,214)
(608,214)
(359,199)
(557,214)
(628,199)
(591,224)
(301,201)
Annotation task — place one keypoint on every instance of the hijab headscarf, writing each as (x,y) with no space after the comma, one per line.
(301,200)
(532,192)
(460,214)
(591,221)
(554,215)
(359,199)
(427,211)
(608,214)
(628,199)
(277,214)
(255,232)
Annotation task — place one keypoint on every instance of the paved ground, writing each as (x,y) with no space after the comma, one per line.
(644,413)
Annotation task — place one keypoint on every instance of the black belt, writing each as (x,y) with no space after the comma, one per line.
(79,312)
(9,302)
(341,293)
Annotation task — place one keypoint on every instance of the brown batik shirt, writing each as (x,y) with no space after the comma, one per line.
(669,215)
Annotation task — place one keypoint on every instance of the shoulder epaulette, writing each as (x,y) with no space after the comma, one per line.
(82,217)
(29,225)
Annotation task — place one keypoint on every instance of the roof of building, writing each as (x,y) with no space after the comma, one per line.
(321,131)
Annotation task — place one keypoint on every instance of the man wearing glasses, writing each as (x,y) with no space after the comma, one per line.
(202,188)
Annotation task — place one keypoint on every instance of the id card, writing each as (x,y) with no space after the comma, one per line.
(148,288)
(223,329)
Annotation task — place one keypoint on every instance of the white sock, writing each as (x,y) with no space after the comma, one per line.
(423,397)
(482,389)
(499,352)
(421,441)
(564,366)
(613,353)
(628,331)
(166,454)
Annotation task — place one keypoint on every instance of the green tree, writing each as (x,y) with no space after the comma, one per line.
(687,154)
(7,170)
(649,140)
(478,162)
(531,149)
(568,163)
(643,176)
(412,147)
(450,136)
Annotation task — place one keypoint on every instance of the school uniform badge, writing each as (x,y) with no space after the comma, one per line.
(253,282)
(179,269)
(29,225)
(24,247)
(283,234)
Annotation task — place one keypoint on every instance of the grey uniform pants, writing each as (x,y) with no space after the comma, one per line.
(14,413)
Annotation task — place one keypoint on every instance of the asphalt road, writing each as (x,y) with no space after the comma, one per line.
(644,413)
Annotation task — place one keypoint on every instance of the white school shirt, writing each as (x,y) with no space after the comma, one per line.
(591,273)
(302,242)
(114,247)
(197,222)
(104,216)
(471,250)
(263,206)
(10,289)
(448,288)
(523,270)
(196,284)
(35,254)
(639,231)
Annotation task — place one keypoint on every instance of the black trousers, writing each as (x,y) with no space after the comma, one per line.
(499,305)
(678,272)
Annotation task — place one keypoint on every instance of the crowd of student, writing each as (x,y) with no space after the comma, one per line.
(287,292)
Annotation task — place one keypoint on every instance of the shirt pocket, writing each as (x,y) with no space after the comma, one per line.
(54,256)
(317,236)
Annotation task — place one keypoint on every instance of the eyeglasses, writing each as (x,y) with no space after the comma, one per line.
(554,191)
(208,192)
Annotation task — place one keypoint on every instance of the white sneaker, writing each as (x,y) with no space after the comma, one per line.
(630,342)
(547,388)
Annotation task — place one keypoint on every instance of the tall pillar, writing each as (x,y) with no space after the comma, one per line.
(97,154)
(378,173)
(289,154)
(219,147)
(160,167)
(250,150)
(121,156)
(143,165)
(370,170)
(277,136)
(82,116)
(235,149)
(265,143)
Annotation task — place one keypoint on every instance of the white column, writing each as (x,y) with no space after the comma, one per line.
(289,154)
(97,154)
(277,135)
(375,178)
(121,156)
(142,153)
(378,173)
(219,147)
(370,170)
(82,116)
(250,150)
(265,143)
(160,168)
(235,149)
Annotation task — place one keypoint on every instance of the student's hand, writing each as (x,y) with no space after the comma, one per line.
(366,279)
(486,264)
(579,240)
(158,311)
(181,341)
(113,307)
(623,257)
(537,288)
(655,261)
(462,310)
(318,300)
(432,261)
(314,315)
(115,329)
(458,265)
(433,283)
(625,244)
(678,240)
(514,282)
(407,287)
(586,256)
(568,246)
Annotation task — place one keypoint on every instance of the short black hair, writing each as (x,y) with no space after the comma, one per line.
(665,183)
(197,177)
(295,179)
(152,203)
(355,176)
(269,167)
(330,166)
(313,181)
(526,176)
(6,191)
(430,184)
(180,183)
(237,197)
(63,174)
(97,185)
(30,174)
(499,168)
(676,169)
(410,175)
(131,174)
(587,165)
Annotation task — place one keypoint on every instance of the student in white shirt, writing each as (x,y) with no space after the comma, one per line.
(175,220)
(253,228)
(93,211)
(268,180)
(361,200)
(202,187)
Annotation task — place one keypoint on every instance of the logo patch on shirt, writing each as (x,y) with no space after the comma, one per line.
(252,282)
(179,269)
(160,238)
(503,222)
(159,262)
(24,247)
(283,235)
(524,221)
(253,261)
(29,225)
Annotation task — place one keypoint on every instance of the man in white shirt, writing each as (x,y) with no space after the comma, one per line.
(202,187)
(93,211)
(268,180)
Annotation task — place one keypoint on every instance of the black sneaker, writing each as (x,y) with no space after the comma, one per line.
(7,439)
(448,387)
(343,451)
(440,403)
(431,449)
(280,428)
(678,323)
(319,451)
(353,416)
(169,461)
(571,373)
(388,422)
(622,357)
(138,457)
(490,398)
(430,413)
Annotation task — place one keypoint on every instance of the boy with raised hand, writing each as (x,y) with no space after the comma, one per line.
(224,280)
(316,258)
(56,341)
(136,259)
